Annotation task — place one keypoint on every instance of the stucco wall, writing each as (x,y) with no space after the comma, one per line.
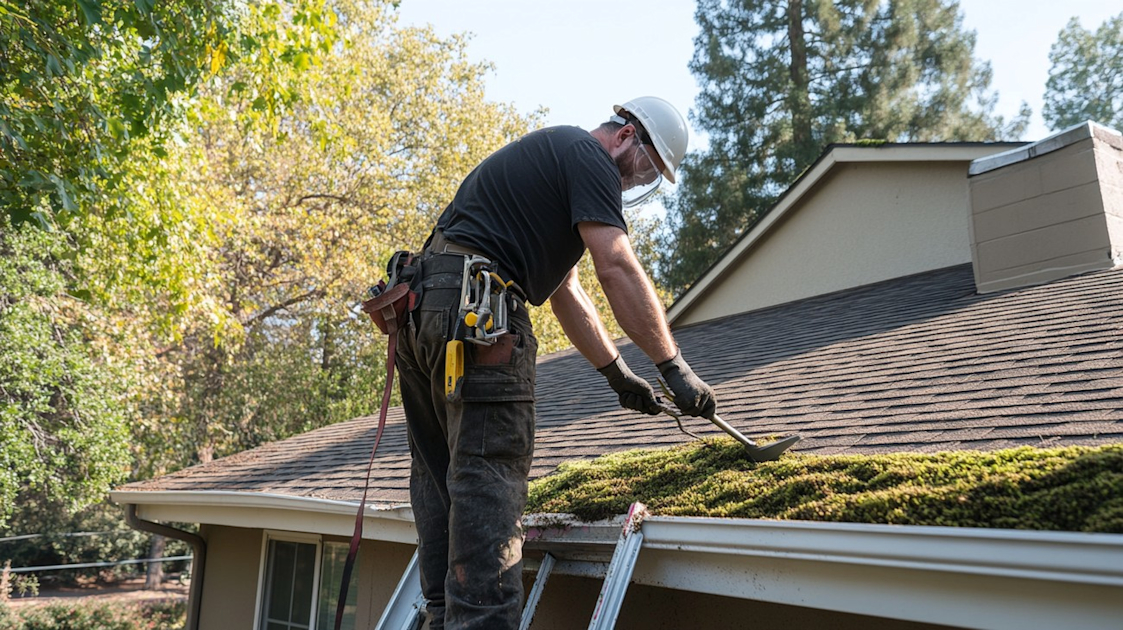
(866,222)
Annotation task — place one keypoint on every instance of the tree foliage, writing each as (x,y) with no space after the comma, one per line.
(87,79)
(82,79)
(196,199)
(63,434)
(1086,76)
(302,212)
(94,94)
(782,80)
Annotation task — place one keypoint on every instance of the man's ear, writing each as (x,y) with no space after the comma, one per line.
(622,139)
(619,141)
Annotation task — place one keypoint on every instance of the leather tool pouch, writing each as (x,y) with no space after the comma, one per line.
(392,302)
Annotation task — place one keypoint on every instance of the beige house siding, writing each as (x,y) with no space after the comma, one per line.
(230,586)
(865,222)
(381,565)
(230,583)
(1044,213)
(1109,168)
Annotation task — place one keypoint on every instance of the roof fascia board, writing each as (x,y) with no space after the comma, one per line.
(836,154)
(272,511)
(966,577)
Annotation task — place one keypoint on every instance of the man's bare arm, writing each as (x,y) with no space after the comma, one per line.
(629,290)
(579,320)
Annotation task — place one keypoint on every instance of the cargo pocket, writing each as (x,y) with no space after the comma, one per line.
(498,398)
(501,372)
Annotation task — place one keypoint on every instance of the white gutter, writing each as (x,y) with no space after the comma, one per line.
(264,510)
(806,183)
(968,577)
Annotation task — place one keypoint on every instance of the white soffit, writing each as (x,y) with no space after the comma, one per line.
(272,511)
(841,154)
(977,578)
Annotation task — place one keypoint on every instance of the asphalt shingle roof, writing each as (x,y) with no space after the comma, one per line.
(920,363)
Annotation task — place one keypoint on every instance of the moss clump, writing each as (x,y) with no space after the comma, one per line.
(1064,489)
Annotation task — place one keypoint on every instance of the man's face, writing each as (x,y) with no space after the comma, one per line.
(639,165)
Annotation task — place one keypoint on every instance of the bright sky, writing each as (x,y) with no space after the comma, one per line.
(578,57)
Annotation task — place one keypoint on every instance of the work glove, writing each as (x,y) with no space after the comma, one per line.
(635,393)
(692,395)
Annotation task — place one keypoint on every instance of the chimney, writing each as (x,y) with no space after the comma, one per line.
(1048,210)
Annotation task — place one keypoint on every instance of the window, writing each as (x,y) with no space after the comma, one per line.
(331,577)
(300,584)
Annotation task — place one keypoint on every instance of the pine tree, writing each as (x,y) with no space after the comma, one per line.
(782,80)
(1086,76)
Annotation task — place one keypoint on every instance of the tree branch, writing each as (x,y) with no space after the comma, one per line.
(282,306)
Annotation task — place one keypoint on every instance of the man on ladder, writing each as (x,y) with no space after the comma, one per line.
(513,233)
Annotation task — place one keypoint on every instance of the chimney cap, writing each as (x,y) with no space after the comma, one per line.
(1058,140)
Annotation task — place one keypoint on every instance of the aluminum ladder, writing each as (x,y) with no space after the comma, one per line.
(406,608)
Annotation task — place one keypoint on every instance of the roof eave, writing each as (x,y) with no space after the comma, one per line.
(393,523)
(970,577)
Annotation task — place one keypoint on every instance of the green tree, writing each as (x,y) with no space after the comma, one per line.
(302,211)
(782,80)
(82,80)
(86,79)
(1086,77)
(63,431)
(93,91)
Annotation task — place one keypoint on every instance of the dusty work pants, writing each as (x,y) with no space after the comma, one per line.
(471,458)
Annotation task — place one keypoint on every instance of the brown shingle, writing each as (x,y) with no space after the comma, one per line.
(914,364)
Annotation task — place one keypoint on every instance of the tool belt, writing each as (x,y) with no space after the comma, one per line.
(486,299)
(389,301)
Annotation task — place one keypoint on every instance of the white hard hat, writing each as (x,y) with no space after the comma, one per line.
(665,126)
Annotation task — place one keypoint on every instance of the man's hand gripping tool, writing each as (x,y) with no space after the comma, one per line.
(757,453)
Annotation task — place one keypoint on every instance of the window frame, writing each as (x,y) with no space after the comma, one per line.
(295,537)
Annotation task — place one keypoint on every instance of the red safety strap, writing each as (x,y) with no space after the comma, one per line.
(391,318)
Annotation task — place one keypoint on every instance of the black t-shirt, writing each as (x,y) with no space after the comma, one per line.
(521,205)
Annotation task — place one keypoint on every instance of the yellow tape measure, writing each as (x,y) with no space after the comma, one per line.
(454,365)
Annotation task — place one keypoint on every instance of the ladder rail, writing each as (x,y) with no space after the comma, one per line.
(620,569)
(406,608)
(535,594)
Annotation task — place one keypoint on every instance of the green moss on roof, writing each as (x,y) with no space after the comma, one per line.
(1063,489)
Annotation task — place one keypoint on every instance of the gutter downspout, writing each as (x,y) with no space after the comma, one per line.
(198,562)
